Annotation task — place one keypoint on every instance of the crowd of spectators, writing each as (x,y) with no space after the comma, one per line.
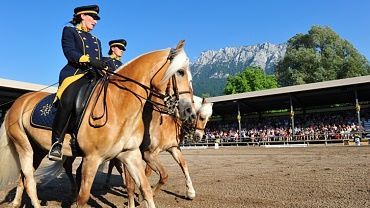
(313,126)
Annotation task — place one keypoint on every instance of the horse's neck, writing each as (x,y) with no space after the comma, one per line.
(144,70)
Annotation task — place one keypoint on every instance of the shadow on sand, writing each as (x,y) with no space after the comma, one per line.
(59,190)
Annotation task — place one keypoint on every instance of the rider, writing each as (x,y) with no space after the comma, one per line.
(116,49)
(83,53)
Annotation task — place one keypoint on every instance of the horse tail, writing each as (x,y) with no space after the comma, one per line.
(9,160)
(102,166)
(50,172)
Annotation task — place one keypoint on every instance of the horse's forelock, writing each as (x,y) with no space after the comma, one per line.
(206,110)
(197,102)
(180,61)
(190,77)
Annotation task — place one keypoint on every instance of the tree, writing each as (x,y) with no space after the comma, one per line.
(320,55)
(251,79)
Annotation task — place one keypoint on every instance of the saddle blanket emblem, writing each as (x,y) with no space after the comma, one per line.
(43,114)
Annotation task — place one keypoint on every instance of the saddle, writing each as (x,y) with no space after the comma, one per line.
(44,112)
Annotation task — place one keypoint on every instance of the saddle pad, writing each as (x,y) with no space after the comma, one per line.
(43,114)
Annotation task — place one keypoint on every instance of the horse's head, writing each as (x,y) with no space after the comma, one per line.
(204,112)
(178,79)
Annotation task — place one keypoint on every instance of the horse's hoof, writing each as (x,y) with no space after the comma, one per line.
(44,203)
(190,195)
(140,198)
(16,205)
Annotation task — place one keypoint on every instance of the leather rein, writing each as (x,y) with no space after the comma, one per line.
(171,101)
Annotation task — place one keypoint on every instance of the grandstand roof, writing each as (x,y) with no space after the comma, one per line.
(11,89)
(306,95)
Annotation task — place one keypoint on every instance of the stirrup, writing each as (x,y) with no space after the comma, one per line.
(55,157)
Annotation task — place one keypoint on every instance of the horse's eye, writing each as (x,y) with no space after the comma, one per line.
(201,118)
(181,72)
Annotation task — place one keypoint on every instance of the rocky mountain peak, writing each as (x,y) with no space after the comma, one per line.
(219,64)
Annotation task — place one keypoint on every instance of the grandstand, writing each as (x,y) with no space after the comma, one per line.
(11,90)
(351,95)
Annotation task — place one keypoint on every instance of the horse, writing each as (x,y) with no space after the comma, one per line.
(118,135)
(204,112)
(166,134)
(169,140)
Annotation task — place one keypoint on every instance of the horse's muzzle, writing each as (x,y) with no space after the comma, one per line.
(187,112)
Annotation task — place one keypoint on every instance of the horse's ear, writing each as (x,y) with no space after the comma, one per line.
(204,100)
(180,45)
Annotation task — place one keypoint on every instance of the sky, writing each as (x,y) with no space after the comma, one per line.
(30,35)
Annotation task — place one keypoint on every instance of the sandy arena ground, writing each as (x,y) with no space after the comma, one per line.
(315,176)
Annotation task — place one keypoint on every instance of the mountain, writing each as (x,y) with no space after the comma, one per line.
(211,68)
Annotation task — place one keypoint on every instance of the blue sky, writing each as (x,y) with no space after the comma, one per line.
(31,30)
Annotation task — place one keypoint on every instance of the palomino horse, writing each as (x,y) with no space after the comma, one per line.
(204,112)
(119,137)
(167,141)
(166,134)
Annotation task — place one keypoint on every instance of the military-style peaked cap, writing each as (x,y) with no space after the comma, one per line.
(92,10)
(121,43)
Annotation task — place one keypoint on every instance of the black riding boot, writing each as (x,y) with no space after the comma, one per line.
(60,125)
(64,112)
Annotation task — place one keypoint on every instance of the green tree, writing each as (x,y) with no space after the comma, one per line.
(320,55)
(205,95)
(251,79)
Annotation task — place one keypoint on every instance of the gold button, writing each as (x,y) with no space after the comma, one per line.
(87,46)
(96,58)
(84,38)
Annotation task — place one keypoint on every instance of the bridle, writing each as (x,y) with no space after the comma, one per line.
(172,100)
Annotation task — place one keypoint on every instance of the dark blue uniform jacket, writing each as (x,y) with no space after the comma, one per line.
(113,64)
(76,43)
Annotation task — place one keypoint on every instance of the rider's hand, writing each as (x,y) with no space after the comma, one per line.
(98,64)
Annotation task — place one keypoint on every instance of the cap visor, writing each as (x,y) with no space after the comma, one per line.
(94,16)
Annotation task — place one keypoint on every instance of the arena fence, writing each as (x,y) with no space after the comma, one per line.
(353,138)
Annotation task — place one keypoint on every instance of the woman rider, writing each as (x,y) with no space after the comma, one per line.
(83,53)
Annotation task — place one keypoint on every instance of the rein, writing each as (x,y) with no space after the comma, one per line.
(170,101)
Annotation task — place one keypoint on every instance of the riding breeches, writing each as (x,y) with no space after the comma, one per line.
(65,108)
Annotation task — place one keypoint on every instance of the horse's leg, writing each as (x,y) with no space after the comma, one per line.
(133,163)
(155,164)
(37,158)
(25,153)
(110,169)
(78,177)
(18,194)
(89,167)
(179,157)
(148,170)
(68,163)
(119,167)
(130,186)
